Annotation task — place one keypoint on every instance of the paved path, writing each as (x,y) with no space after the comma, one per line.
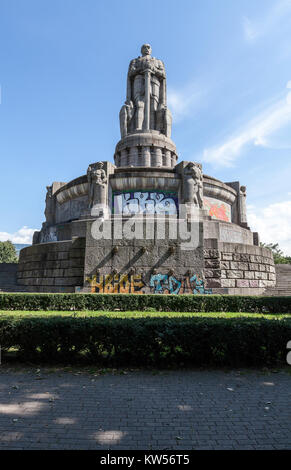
(175,410)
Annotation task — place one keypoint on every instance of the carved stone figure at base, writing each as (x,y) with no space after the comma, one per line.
(49,206)
(193,184)
(97,181)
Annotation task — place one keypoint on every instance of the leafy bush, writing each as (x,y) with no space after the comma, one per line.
(146,341)
(164,303)
(8,253)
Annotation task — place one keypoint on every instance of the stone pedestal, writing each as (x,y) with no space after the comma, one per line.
(145,149)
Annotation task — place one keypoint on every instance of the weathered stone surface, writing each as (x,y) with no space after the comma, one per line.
(253,266)
(242,283)
(241,257)
(261,275)
(212,254)
(212,263)
(239,265)
(227,256)
(213,273)
(211,283)
(223,264)
(234,274)
(265,283)
(249,274)
(227,282)
(254,283)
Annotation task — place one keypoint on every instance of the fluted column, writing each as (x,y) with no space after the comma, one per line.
(157,158)
(168,161)
(133,156)
(146,156)
(173,159)
(123,157)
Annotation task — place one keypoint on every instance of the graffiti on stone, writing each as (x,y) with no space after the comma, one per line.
(145,202)
(116,284)
(134,284)
(217,209)
(163,283)
(169,284)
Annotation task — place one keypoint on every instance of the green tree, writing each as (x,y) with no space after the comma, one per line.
(8,252)
(279,257)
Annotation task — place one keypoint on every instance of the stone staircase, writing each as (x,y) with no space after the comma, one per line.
(283,285)
(8,279)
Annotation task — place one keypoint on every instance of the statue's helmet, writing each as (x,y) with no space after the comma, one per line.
(146,49)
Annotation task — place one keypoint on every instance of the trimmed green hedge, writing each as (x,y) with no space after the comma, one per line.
(146,341)
(164,303)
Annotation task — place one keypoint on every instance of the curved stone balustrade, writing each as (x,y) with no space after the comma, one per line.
(218,190)
(72,192)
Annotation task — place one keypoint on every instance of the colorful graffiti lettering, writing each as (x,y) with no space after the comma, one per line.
(134,284)
(217,209)
(168,284)
(116,283)
(163,282)
(145,202)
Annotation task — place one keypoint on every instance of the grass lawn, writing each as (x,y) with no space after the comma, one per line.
(139,314)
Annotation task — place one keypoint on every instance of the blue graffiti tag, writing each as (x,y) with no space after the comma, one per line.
(163,283)
(199,286)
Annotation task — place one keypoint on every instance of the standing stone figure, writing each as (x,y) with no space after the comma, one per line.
(193,184)
(243,205)
(97,181)
(125,117)
(145,107)
(49,206)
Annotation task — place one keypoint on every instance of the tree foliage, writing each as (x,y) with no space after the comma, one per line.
(8,252)
(279,257)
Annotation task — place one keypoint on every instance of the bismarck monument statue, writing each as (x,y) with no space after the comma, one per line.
(146,224)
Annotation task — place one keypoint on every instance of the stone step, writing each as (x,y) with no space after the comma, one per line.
(12,289)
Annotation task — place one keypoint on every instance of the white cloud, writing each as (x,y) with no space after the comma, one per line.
(23,235)
(273,224)
(182,101)
(257,132)
(272,18)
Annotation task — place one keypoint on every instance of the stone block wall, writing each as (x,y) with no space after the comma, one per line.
(52,267)
(151,265)
(239,269)
(8,273)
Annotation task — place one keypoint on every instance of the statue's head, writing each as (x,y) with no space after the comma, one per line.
(100,165)
(146,49)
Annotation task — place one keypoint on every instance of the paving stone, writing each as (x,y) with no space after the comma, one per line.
(176,410)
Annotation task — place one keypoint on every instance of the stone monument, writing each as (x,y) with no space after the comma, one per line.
(146,224)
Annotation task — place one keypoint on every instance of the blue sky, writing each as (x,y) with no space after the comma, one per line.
(63,66)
